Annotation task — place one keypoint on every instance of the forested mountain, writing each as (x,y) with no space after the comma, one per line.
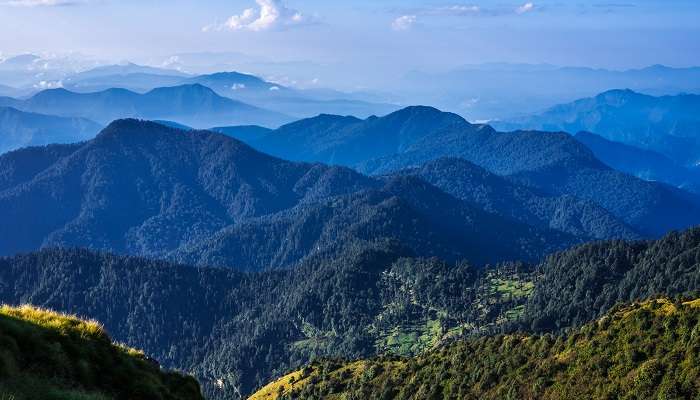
(22,129)
(244,133)
(368,298)
(46,355)
(645,164)
(498,195)
(666,124)
(643,351)
(581,284)
(193,105)
(235,331)
(554,164)
(349,141)
(143,188)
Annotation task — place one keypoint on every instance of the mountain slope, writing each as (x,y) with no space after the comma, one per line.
(557,164)
(645,350)
(496,194)
(421,217)
(366,299)
(349,141)
(581,284)
(22,129)
(644,164)
(143,188)
(193,105)
(47,356)
(667,124)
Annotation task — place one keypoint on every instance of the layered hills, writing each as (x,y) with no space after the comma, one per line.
(142,188)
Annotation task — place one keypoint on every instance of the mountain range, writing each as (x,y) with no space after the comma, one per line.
(143,188)
(555,164)
(21,129)
(667,124)
(645,164)
(495,91)
(193,105)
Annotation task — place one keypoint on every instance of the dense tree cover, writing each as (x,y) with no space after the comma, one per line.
(553,163)
(557,164)
(467,181)
(235,330)
(581,284)
(45,355)
(642,351)
(199,197)
(349,141)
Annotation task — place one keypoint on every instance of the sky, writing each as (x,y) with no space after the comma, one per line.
(362,37)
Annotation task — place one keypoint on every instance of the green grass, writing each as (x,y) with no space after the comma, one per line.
(50,356)
(512,288)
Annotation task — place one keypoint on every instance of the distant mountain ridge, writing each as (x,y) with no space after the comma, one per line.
(645,164)
(193,105)
(668,124)
(498,91)
(22,129)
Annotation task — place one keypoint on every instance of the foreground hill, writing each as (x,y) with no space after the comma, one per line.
(22,129)
(370,298)
(554,164)
(646,350)
(46,355)
(666,124)
(142,188)
(193,105)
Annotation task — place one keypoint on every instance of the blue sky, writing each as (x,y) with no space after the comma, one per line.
(363,35)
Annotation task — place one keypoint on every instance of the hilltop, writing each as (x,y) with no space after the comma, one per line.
(47,355)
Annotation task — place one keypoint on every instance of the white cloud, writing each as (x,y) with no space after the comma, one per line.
(41,3)
(48,85)
(457,10)
(527,7)
(403,23)
(270,14)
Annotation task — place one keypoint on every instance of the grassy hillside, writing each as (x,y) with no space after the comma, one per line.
(641,351)
(45,355)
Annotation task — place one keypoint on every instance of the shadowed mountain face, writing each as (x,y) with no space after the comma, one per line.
(668,124)
(192,105)
(469,182)
(645,164)
(553,164)
(146,189)
(348,141)
(22,129)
